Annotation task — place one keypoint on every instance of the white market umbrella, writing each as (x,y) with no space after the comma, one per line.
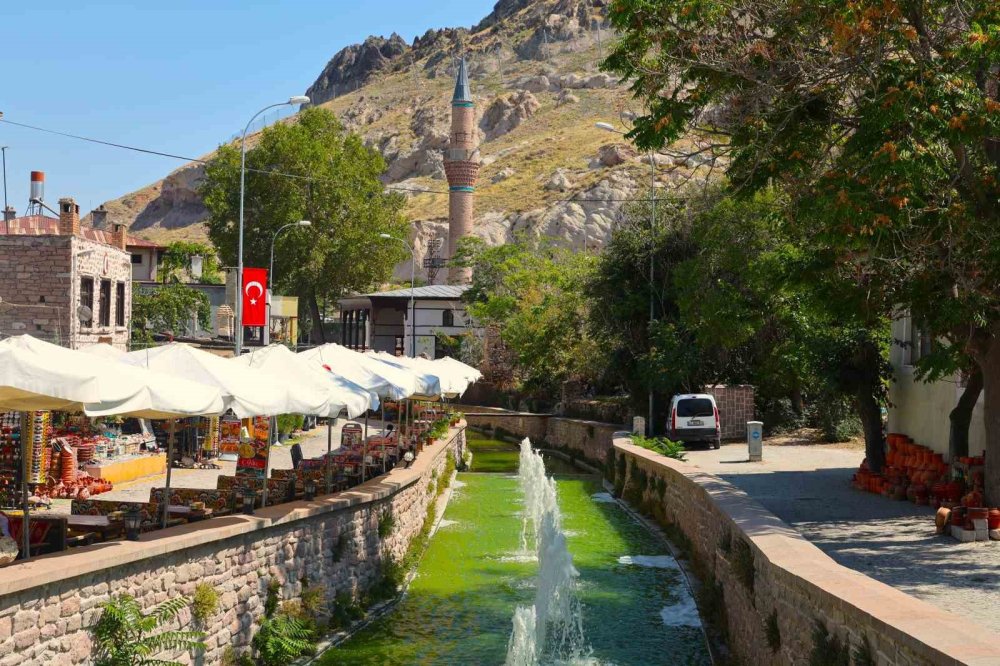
(338,392)
(465,370)
(248,392)
(49,382)
(168,396)
(379,378)
(430,385)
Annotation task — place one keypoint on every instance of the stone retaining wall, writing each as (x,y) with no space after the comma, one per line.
(776,587)
(49,604)
(590,438)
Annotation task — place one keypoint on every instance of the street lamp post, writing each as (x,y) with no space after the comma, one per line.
(608,127)
(270,275)
(413,307)
(238,338)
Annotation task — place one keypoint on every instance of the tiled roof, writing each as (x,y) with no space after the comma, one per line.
(443,291)
(43,225)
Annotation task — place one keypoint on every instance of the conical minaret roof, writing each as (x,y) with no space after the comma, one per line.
(463,93)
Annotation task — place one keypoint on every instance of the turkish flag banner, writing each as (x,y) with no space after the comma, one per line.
(254,296)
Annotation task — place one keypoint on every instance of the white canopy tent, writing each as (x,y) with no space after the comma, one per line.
(385,381)
(464,369)
(247,391)
(339,392)
(428,384)
(36,375)
(449,383)
(104,350)
(122,390)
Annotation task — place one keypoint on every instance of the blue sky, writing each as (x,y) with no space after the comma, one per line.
(178,77)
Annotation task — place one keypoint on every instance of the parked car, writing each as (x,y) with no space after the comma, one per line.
(694,419)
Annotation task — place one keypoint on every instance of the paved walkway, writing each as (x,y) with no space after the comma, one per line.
(313,445)
(894,542)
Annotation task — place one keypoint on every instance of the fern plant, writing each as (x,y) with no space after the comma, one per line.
(281,639)
(123,635)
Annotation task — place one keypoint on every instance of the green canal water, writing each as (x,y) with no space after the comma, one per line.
(458,609)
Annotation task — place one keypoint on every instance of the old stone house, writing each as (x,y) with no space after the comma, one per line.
(65,283)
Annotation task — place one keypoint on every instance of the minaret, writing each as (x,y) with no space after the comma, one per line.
(461,164)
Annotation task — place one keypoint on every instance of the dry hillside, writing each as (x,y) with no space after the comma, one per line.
(546,169)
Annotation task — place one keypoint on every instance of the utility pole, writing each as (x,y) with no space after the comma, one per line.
(3,149)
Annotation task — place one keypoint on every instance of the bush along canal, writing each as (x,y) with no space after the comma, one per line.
(533,563)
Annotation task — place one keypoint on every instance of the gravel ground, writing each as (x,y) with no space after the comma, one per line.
(894,542)
(313,445)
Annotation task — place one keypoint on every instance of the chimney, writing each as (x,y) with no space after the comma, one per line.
(119,236)
(99,217)
(9,213)
(69,217)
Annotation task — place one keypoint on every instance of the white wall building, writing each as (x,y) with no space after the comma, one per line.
(920,409)
(381,321)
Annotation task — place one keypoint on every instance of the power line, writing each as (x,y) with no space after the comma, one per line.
(149,151)
(270,172)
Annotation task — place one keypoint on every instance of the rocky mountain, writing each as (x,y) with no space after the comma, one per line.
(546,168)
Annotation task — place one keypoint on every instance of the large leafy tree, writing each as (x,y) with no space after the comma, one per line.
(167,310)
(310,169)
(881,118)
(532,294)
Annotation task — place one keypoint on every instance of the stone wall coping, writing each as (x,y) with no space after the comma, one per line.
(47,569)
(939,636)
(509,414)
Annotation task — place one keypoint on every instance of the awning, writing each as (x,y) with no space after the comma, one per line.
(248,392)
(384,380)
(437,380)
(339,392)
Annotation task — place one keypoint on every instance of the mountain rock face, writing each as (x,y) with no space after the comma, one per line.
(355,65)
(546,169)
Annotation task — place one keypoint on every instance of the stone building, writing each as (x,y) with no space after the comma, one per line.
(65,283)
(382,321)
(461,165)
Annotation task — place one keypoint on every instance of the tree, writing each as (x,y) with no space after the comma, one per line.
(123,633)
(881,119)
(169,308)
(532,293)
(311,169)
(175,264)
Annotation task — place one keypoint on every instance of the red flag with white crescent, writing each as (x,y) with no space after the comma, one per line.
(254,296)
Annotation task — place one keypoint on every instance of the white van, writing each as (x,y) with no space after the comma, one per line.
(694,418)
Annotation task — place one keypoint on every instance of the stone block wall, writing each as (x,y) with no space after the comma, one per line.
(590,438)
(765,573)
(49,605)
(35,286)
(736,407)
(40,288)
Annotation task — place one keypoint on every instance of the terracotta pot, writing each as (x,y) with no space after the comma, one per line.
(994,519)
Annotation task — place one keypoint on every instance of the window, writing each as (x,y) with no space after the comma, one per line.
(695,407)
(447,318)
(87,301)
(105,305)
(120,304)
(136,258)
(919,344)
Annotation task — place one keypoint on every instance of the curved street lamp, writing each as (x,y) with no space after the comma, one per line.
(608,127)
(296,99)
(413,307)
(270,274)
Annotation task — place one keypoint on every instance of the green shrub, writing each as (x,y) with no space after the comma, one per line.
(271,599)
(312,598)
(346,611)
(743,564)
(773,632)
(205,602)
(386,524)
(391,576)
(828,649)
(281,639)
(288,423)
(123,633)
(661,445)
(836,419)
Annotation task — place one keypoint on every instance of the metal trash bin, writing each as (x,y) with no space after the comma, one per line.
(755,440)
